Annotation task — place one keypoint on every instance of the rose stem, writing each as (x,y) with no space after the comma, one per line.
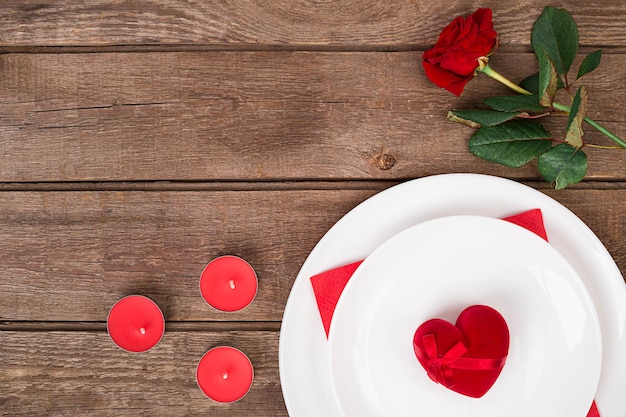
(487,70)
(595,124)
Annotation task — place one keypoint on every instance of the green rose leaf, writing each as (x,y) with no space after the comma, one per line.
(591,62)
(478,118)
(548,79)
(577,113)
(511,144)
(515,103)
(531,83)
(563,165)
(555,32)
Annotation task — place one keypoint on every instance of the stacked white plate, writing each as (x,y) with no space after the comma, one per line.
(564,302)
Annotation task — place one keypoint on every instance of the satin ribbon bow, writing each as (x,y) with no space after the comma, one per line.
(440,367)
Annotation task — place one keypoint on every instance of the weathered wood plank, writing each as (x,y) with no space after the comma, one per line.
(303,24)
(256,115)
(71,255)
(89,249)
(84,374)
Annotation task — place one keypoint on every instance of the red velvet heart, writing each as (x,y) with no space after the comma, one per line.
(466,358)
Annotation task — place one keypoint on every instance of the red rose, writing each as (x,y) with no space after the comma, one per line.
(453,61)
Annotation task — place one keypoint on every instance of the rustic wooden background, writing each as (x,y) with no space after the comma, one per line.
(141,139)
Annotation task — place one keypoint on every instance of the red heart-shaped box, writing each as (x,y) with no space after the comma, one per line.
(467,357)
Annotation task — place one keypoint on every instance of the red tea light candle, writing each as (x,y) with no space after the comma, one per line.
(135,323)
(225,374)
(228,283)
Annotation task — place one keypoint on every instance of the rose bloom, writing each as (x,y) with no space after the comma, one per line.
(453,61)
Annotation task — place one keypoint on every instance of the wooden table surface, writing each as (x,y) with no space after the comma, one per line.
(141,139)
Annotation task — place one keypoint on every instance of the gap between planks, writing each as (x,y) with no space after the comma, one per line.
(264,185)
(170,326)
(163,48)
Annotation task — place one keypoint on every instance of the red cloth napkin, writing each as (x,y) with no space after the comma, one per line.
(329,285)
(593,411)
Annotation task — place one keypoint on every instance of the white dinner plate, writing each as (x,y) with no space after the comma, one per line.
(303,349)
(438,268)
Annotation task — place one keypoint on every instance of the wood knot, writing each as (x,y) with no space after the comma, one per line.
(385,161)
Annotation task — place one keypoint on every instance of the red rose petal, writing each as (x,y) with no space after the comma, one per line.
(453,60)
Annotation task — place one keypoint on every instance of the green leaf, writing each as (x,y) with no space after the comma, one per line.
(577,113)
(563,165)
(547,78)
(515,103)
(511,144)
(555,32)
(478,118)
(591,62)
(531,83)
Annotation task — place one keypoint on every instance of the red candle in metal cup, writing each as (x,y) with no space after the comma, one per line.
(228,283)
(135,323)
(225,374)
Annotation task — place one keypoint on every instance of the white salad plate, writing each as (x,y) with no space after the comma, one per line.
(438,268)
(304,351)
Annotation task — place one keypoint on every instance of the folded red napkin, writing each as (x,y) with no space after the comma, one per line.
(329,285)
(593,411)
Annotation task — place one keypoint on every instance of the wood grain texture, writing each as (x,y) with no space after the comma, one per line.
(257,115)
(300,23)
(140,139)
(69,256)
(85,374)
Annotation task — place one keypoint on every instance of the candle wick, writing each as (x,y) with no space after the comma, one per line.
(142,331)
(232,284)
(225,375)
